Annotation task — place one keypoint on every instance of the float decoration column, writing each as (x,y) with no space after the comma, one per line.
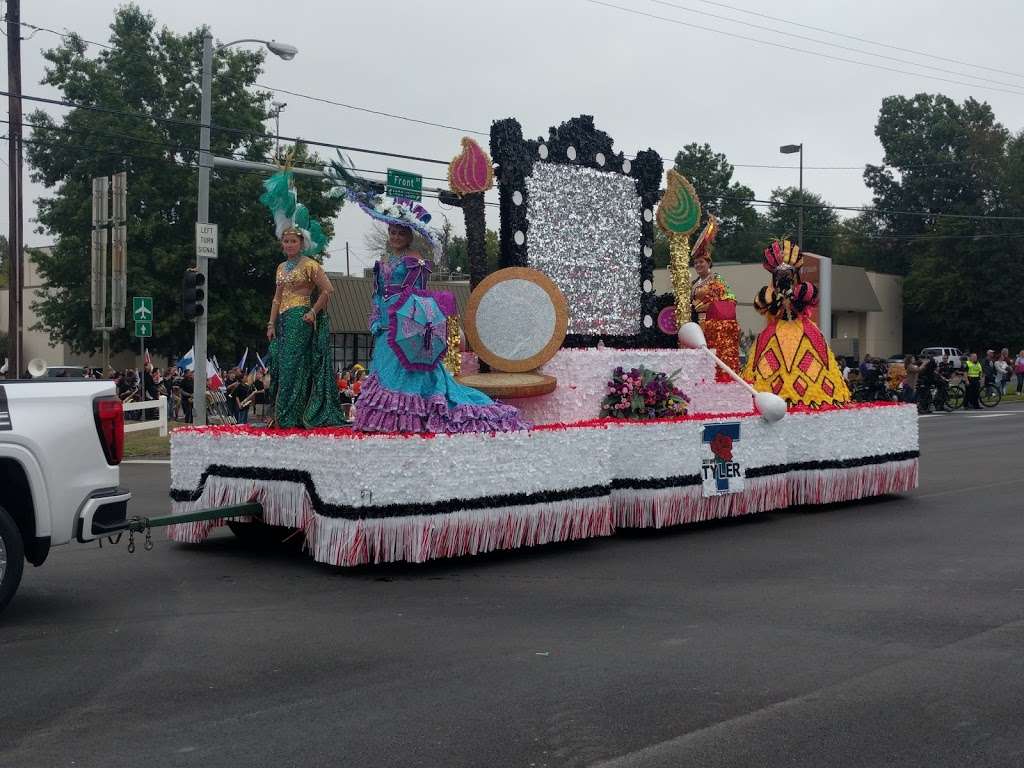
(470,175)
(678,216)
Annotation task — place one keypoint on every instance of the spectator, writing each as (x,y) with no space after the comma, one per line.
(1018,368)
(975,370)
(946,366)
(187,390)
(928,378)
(868,367)
(1004,369)
(232,380)
(988,367)
(243,390)
(908,390)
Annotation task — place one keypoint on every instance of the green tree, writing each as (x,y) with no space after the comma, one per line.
(458,254)
(939,157)
(944,157)
(821,224)
(156,73)
(711,175)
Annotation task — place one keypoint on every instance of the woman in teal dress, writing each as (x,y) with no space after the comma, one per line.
(399,397)
(303,393)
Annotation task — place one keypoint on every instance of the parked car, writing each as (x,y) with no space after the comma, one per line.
(956,357)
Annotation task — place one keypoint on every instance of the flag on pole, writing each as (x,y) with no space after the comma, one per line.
(263,366)
(188,362)
(147,360)
(213,379)
(241,363)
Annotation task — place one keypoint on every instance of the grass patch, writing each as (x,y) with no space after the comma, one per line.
(147,444)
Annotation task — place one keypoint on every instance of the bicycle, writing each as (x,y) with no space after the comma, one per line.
(990,395)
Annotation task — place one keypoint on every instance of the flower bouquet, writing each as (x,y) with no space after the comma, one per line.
(641,393)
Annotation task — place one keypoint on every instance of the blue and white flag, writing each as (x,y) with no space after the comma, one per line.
(241,363)
(188,362)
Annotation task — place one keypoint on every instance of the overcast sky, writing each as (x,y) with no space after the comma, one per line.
(647,81)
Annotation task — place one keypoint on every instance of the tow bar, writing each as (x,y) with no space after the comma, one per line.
(138,524)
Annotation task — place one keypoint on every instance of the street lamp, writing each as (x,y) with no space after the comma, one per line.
(789,149)
(286,52)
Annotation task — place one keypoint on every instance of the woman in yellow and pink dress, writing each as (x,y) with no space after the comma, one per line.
(791,356)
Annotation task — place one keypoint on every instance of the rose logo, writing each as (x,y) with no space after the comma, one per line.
(721,446)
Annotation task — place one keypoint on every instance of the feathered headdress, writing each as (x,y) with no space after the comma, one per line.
(704,246)
(782,254)
(290,215)
(404,213)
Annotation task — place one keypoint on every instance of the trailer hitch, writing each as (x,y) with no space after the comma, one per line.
(139,524)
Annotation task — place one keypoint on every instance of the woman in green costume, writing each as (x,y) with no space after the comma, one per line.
(302,387)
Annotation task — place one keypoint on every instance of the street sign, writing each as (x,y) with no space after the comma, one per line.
(404,184)
(142,309)
(206,241)
(143,329)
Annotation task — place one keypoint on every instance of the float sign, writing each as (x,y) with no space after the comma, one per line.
(720,471)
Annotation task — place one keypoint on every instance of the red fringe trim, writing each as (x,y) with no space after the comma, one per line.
(419,538)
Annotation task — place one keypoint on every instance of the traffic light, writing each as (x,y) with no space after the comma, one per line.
(193,297)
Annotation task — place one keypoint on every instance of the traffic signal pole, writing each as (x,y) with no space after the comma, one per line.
(203,217)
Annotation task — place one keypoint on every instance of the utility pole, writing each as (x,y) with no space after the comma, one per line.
(15,239)
(278,106)
(203,217)
(348,268)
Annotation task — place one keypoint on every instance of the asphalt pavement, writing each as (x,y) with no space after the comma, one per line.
(885,633)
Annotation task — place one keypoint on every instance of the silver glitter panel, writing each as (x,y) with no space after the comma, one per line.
(584,234)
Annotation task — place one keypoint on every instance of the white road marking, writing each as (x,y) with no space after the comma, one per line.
(146,461)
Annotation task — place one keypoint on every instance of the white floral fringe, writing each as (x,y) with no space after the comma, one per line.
(417,538)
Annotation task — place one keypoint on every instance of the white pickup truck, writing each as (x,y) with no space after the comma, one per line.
(61,441)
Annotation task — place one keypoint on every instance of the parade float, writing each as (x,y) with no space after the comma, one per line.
(634,421)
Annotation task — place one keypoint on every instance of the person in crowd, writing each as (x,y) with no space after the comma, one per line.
(187,389)
(908,389)
(929,379)
(945,367)
(868,368)
(1018,369)
(232,380)
(975,371)
(344,392)
(241,397)
(988,367)
(149,384)
(1004,369)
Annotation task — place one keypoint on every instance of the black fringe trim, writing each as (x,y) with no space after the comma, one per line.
(370,512)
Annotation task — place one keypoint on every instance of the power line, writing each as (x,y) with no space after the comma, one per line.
(752,201)
(371,111)
(798,50)
(832,45)
(667,160)
(215,127)
(860,39)
(875,211)
(92,149)
(66,35)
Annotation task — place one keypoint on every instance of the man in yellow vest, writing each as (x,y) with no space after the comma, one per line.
(972,398)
